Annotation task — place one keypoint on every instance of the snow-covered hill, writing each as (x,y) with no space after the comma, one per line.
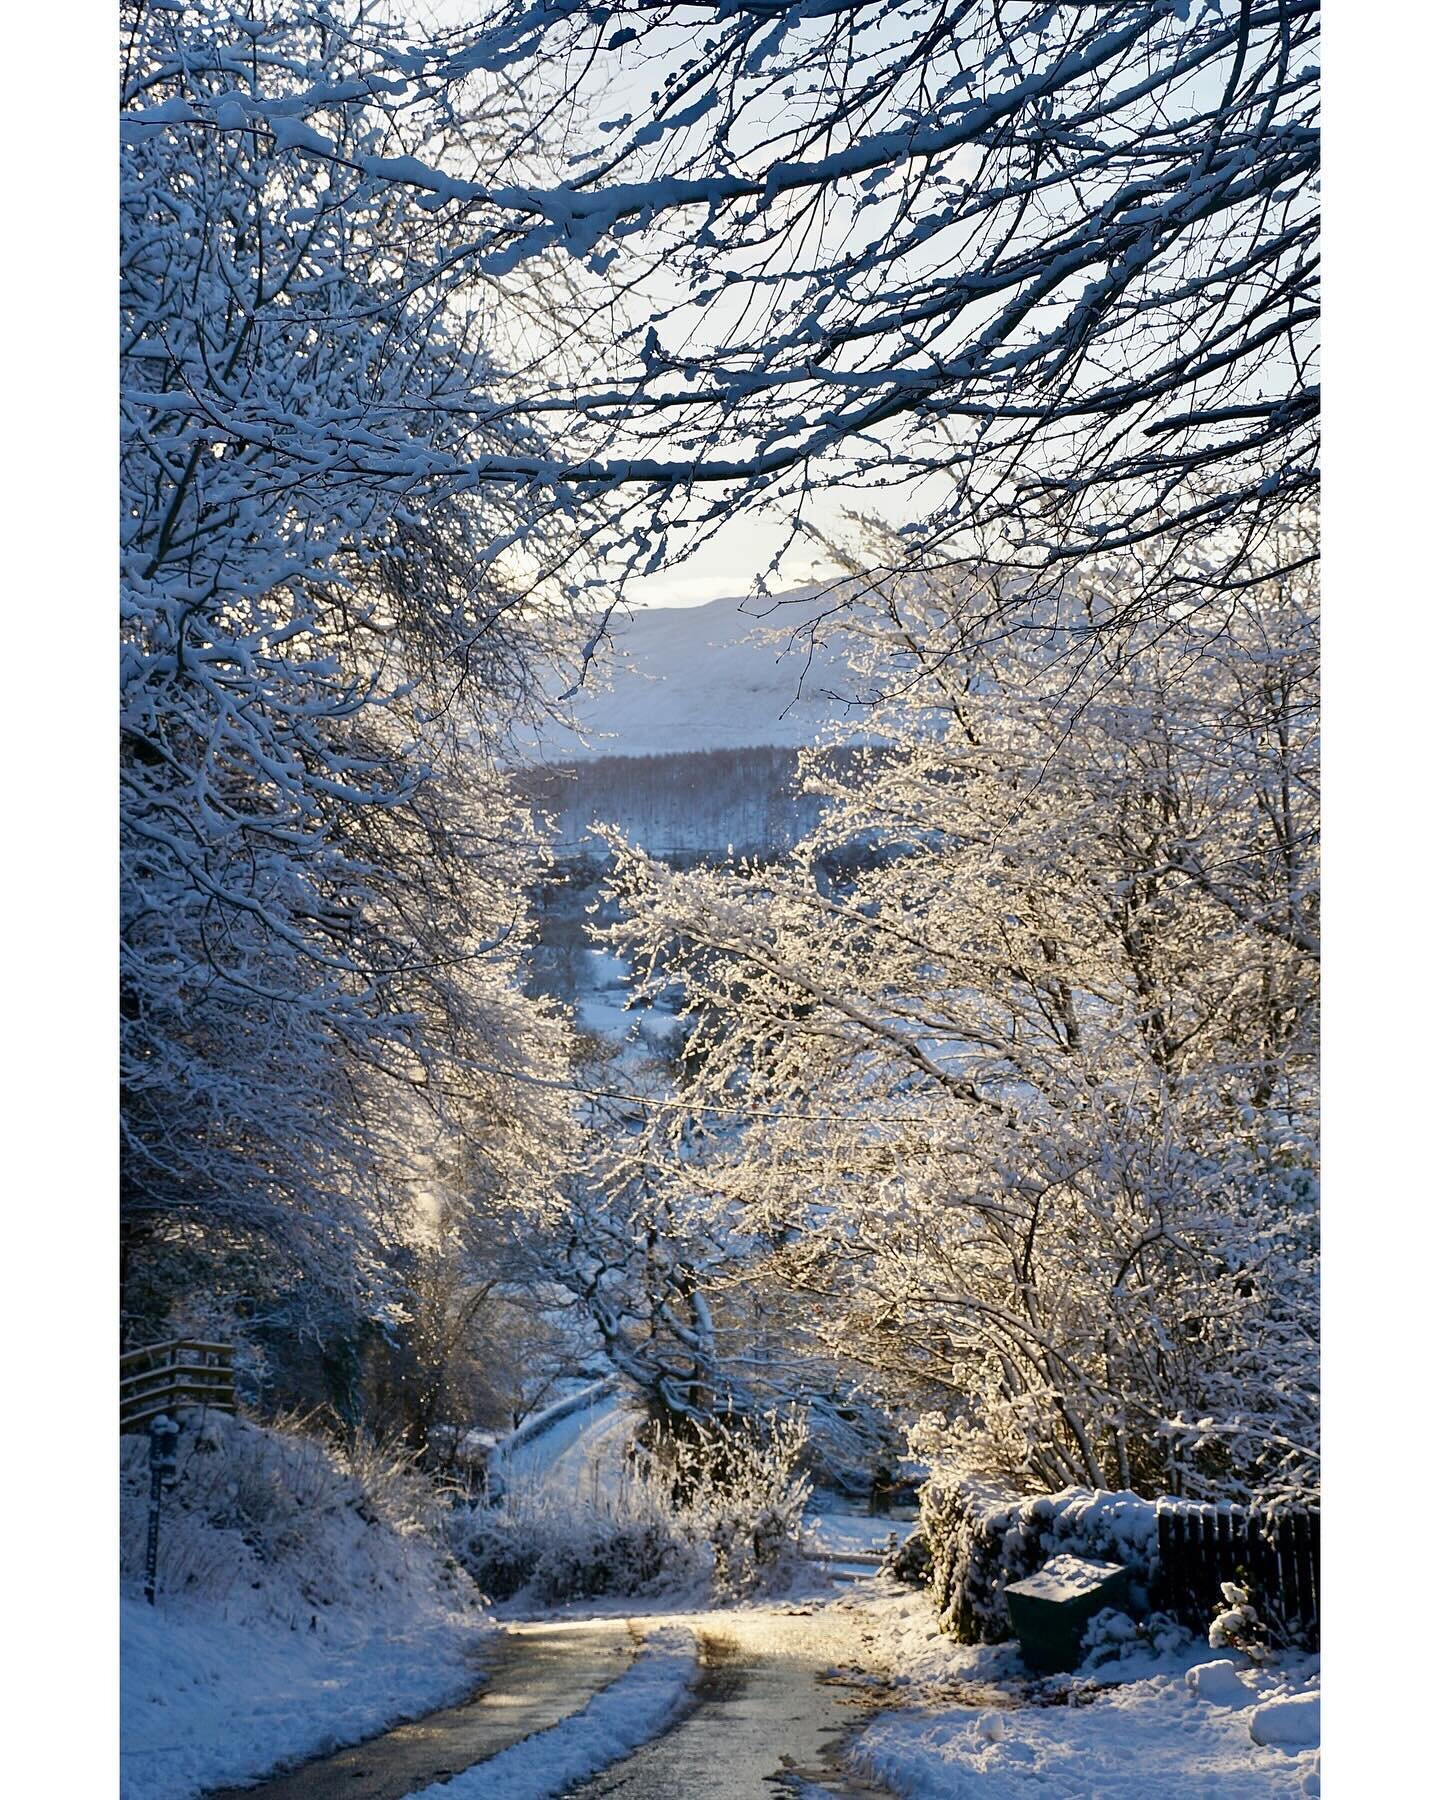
(728,674)
(686,733)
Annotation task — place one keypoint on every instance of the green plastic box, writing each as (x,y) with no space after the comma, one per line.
(1051,1608)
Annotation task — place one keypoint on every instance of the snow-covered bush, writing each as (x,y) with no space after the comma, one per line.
(613,1556)
(496,1547)
(561,1551)
(275,1525)
(1111,1635)
(742,1496)
(722,1511)
(911,1561)
(981,1539)
(1107,1635)
(1237,1625)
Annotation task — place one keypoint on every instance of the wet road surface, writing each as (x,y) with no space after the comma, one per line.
(768,1718)
(536,1675)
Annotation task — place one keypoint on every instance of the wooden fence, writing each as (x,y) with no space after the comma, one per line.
(1275,1554)
(182,1372)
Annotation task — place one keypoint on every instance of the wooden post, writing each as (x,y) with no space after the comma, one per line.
(1195,1569)
(1165,1540)
(1287,1547)
(163,1439)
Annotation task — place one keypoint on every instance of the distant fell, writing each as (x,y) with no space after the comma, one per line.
(730,674)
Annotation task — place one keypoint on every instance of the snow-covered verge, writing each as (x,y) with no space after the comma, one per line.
(1155,1738)
(205,1703)
(306,1600)
(618,1720)
(1169,1721)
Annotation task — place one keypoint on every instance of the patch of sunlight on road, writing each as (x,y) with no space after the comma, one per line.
(771,1715)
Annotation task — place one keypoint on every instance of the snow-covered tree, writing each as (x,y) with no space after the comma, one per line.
(1010,1068)
(324,646)
(669,1288)
(1050,271)
(1042,278)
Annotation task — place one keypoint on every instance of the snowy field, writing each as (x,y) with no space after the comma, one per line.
(838,1525)
(576,1447)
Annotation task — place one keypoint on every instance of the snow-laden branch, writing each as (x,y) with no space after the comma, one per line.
(1124,1232)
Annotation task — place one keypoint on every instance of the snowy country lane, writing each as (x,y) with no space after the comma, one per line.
(769,1715)
(605,1699)
(765,1714)
(749,1710)
(537,1675)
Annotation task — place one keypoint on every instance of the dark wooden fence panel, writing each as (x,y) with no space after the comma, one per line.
(1275,1554)
(181,1372)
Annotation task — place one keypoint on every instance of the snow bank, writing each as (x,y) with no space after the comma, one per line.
(206,1703)
(1170,1723)
(306,1600)
(1155,1737)
(617,1721)
(1291,1723)
(280,1528)
(1219,1683)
